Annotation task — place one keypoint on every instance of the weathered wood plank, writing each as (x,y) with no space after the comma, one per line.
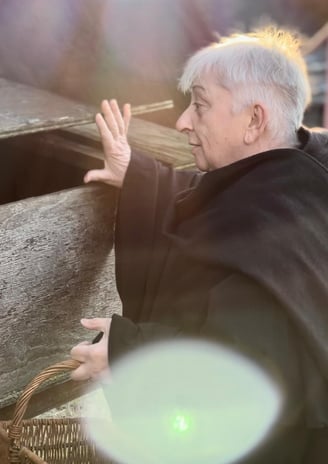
(25,109)
(154,140)
(55,267)
(164,143)
(52,396)
(152,107)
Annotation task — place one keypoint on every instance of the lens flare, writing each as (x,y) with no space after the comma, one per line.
(181,423)
(185,401)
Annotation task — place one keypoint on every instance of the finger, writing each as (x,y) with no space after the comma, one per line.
(96,175)
(98,323)
(126,116)
(118,117)
(103,129)
(110,118)
(81,373)
(80,352)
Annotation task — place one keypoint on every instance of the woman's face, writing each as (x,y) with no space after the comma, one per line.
(214,130)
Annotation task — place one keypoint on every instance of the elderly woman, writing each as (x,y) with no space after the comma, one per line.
(237,251)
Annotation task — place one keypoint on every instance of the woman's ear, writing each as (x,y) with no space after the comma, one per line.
(257,123)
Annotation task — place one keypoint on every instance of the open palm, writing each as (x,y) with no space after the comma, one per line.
(113,128)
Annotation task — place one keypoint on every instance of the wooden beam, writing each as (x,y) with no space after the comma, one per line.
(163,143)
(53,396)
(80,146)
(25,109)
(56,267)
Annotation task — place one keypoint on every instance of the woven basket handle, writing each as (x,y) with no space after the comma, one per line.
(15,429)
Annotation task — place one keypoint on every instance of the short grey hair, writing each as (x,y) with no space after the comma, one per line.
(263,66)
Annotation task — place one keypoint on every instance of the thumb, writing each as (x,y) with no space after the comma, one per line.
(96,175)
(98,323)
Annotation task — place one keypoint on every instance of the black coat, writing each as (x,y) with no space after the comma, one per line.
(239,254)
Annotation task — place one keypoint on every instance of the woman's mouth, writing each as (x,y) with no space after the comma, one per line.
(194,147)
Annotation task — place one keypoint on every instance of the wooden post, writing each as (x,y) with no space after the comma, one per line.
(56,267)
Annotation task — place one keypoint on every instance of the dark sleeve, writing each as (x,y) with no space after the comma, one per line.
(149,188)
(126,335)
(241,314)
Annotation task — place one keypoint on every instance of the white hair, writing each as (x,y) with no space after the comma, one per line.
(264,66)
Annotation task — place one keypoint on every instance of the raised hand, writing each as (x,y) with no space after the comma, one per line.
(113,128)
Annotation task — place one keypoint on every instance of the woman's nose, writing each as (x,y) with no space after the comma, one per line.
(183,123)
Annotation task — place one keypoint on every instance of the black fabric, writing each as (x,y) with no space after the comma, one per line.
(314,142)
(266,217)
(240,255)
(140,246)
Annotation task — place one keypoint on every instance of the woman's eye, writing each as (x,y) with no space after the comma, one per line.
(197,105)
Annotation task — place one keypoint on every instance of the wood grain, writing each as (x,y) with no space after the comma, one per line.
(163,143)
(56,267)
(56,263)
(25,110)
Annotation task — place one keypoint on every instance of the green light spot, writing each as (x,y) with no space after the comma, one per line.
(181,423)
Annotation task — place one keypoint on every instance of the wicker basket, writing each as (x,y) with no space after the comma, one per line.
(46,441)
